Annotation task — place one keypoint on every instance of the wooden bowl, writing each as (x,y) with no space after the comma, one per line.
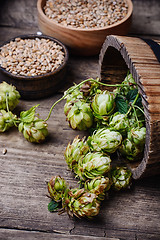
(118,54)
(40,86)
(82,41)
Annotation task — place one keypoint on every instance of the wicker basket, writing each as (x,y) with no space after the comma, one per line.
(118,54)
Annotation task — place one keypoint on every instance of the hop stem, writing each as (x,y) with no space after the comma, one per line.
(7,105)
(133,103)
(78,85)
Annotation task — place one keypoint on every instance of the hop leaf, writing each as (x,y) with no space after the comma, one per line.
(12,95)
(28,116)
(54,206)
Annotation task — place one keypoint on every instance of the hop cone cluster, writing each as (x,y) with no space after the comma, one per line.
(9,92)
(6,120)
(77,202)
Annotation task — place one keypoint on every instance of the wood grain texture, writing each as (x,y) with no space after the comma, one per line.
(130,215)
(121,49)
(20,235)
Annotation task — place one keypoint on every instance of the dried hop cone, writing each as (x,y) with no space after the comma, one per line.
(93,165)
(57,187)
(6,120)
(98,186)
(75,151)
(121,178)
(80,116)
(105,140)
(90,88)
(33,128)
(12,95)
(82,203)
(103,105)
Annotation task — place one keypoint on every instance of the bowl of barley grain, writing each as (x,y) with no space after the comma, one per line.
(82,25)
(34,64)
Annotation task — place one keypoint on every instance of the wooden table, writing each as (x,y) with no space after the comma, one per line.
(25,168)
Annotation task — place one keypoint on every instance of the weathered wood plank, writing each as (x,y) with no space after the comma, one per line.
(25,168)
(6,234)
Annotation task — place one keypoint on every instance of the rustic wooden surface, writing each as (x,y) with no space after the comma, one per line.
(25,167)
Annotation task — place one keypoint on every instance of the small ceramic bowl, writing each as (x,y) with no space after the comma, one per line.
(39,86)
(82,41)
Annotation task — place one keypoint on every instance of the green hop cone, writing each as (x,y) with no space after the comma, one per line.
(93,165)
(103,105)
(98,186)
(75,151)
(12,95)
(6,120)
(130,150)
(138,136)
(80,116)
(121,178)
(33,128)
(127,85)
(119,122)
(57,187)
(81,203)
(73,93)
(104,140)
